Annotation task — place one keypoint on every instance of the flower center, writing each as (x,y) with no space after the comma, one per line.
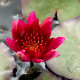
(33,42)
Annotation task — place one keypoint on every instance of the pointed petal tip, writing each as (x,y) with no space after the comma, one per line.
(32,12)
(31,18)
(14,21)
(20,21)
(57,54)
(14,24)
(7,39)
(62,39)
(46,20)
(49,18)
(59,41)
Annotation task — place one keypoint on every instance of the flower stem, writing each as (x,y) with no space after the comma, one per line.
(31,64)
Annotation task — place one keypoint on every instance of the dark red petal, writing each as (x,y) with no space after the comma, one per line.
(37,60)
(28,28)
(14,30)
(53,43)
(12,44)
(35,26)
(31,18)
(21,26)
(50,54)
(23,57)
(46,27)
(36,55)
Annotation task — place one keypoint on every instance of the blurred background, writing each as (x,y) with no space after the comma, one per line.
(9,10)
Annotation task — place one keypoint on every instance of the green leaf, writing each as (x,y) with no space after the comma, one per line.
(46,75)
(68,63)
(7,62)
(66,9)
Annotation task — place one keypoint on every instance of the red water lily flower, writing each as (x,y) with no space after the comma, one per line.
(32,41)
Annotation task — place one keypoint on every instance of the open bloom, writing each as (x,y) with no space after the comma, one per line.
(32,41)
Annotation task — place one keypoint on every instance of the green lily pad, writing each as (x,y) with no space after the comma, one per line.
(66,9)
(68,63)
(46,75)
(7,62)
